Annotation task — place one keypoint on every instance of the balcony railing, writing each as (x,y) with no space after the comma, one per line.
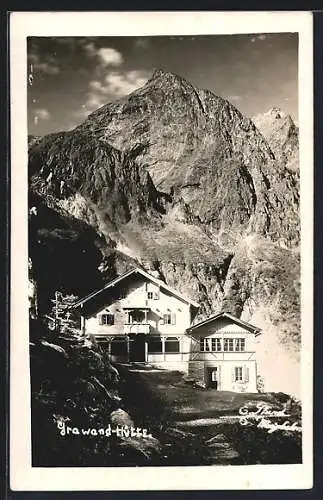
(136,328)
(139,302)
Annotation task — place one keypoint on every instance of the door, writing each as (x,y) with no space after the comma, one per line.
(213,377)
(137,348)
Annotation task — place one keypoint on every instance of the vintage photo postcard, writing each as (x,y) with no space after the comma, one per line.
(161,236)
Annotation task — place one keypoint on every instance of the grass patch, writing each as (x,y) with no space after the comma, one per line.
(161,401)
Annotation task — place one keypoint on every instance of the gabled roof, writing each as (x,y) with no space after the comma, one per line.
(120,278)
(216,317)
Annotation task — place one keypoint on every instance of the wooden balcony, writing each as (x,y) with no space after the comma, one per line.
(136,328)
(136,303)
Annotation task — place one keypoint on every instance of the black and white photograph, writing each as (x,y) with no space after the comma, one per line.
(166,309)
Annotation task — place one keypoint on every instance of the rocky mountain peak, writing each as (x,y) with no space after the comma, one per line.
(280,131)
(176,179)
(166,75)
(274,116)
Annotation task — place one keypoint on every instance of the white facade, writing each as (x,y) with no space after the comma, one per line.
(141,319)
(138,298)
(223,354)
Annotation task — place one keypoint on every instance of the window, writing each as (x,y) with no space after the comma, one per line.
(155,345)
(152,292)
(216,344)
(240,344)
(228,345)
(171,344)
(237,345)
(169,319)
(106,319)
(210,344)
(238,374)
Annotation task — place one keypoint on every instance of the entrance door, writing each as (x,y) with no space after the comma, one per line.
(137,349)
(213,377)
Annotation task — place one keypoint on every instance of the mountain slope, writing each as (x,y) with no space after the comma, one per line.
(176,179)
(206,145)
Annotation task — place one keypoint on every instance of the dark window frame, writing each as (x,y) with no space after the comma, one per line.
(171,341)
(240,344)
(210,344)
(238,373)
(104,321)
(155,341)
(228,345)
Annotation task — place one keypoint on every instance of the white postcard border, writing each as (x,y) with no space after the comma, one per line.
(23,477)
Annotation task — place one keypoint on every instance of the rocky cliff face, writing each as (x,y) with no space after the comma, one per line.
(282,135)
(176,179)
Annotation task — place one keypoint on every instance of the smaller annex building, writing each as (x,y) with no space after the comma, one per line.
(223,353)
(139,318)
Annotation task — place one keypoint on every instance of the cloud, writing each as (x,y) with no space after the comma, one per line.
(110,57)
(234,98)
(94,101)
(142,42)
(46,64)
(112,86)
(121,84)
(106,56)
(258,37)
(90,49)
(42,114)
(61,52)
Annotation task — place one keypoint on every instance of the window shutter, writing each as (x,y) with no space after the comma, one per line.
(246,374)
(233,375)
(173,318)
(100,319)
(162,320)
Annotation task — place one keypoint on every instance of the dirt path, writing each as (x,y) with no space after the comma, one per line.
(189,422)
(153,399)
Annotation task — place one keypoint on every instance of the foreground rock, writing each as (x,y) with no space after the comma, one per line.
(222,450)
(135,438)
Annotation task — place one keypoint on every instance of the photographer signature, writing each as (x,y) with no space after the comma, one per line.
(264,413)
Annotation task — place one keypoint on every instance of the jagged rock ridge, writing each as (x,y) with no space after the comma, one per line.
(282,134)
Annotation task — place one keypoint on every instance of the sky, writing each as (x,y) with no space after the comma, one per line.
(70,77)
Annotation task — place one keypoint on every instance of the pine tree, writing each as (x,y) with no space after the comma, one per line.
(63,317)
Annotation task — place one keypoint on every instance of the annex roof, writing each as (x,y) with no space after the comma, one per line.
(120,278)
(216,317)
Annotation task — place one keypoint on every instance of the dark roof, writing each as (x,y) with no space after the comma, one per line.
(136,270)
(216,317)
